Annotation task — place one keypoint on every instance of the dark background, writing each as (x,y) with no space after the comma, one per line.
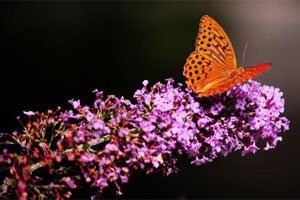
(55,51)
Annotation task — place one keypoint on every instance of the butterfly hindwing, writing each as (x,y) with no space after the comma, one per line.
(201,72)
(195,70)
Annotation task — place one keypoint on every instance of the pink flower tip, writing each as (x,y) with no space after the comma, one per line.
(145,82)
(28,113)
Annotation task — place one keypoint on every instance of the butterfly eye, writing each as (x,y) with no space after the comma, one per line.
(233,74)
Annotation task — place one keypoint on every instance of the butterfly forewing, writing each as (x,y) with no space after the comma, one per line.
(225,84)
(213,42)
(253,72)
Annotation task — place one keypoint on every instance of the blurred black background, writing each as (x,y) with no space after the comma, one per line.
(51,52)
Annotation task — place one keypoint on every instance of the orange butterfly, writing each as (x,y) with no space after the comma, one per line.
(212,68)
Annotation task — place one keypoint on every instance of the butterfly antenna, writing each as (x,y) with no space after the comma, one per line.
(244,54)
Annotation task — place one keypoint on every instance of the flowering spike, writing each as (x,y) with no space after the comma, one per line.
(109,140)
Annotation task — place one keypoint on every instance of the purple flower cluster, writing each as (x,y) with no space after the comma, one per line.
(104,143)
(207,127)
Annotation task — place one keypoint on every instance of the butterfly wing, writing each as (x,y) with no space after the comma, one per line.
(202,74)
(214,56)
(213,43)
(252,72)
(238,79)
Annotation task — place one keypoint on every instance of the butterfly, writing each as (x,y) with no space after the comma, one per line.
(212,67)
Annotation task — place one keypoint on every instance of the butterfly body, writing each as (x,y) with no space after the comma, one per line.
(212,68)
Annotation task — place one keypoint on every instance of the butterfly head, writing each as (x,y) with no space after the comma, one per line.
(240,70)
(237,72)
